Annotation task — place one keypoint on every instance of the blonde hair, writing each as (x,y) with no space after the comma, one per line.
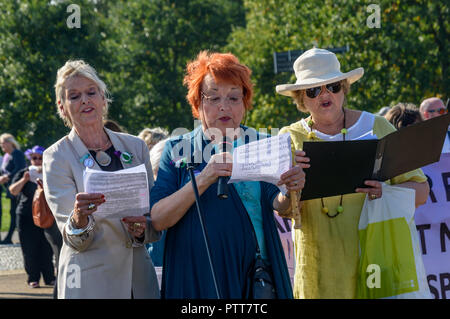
(71,69)
(6,137)
(155,155)
(151,136)
(298,95)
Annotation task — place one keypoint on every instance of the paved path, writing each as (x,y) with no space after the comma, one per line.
(13,279)
(13,285)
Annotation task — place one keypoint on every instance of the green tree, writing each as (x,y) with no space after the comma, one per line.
(406,59)
(140,48)
(154,40)
(34,42)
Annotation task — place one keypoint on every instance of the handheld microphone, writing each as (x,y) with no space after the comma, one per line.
(222,186)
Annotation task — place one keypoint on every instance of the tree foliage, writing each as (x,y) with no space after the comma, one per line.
(34,42)
(406,59)
(140,48)
(153,48)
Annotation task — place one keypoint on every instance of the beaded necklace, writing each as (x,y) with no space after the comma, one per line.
(312,136)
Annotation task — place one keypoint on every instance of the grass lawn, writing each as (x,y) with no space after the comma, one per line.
(5,215)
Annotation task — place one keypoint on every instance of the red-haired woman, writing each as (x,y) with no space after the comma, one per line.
(219,92)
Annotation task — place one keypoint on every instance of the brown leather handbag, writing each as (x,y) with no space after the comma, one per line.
(42,215)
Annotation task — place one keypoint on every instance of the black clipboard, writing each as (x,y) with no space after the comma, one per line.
(338,168)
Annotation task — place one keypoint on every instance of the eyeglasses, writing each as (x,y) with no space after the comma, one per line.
(215,100)
(441,111)
(36,158)
(332,87)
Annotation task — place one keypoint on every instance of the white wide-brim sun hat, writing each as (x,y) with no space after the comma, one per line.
(317,67)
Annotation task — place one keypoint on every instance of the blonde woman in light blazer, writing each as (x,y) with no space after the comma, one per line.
(101,257)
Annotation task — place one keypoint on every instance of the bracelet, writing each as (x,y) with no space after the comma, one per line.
(71,230)
(73,223)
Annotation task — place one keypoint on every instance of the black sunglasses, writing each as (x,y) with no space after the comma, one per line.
(441,111)
(332,87)
(35,158)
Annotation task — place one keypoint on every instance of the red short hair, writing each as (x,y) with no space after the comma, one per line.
(223,67)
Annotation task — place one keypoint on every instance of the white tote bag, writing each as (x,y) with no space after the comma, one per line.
(391,263)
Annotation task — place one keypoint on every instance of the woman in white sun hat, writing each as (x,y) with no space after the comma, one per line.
(327,243)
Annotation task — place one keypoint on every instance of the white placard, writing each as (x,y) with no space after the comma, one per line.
(433,226)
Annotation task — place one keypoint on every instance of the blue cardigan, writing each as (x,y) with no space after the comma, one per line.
(186,270)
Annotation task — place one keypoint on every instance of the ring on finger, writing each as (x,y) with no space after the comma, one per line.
(136,225)
(373,196)
(91,206)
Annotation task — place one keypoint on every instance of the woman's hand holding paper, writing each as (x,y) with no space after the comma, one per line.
(294,178)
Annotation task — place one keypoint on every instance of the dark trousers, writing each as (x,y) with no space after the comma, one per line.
(1,195)
(37,253)
(12,225)
(54,238)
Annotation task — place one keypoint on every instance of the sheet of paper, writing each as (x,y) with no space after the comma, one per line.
(264,160)
(35,172)
(126,191)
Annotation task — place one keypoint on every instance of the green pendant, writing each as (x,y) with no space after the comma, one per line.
(126,157)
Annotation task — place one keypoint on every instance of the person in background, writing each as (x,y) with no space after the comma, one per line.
(156,249)
(403,114)
(37,253)
(114,126)
(52,233)
(383,111)
(433,107)
(1,195)
(151,136)
(15,161)
(2,165)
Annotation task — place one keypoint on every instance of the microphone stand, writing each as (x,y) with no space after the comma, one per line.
(190,168)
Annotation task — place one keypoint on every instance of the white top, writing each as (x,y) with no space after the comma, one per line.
(446,147)
(362,129)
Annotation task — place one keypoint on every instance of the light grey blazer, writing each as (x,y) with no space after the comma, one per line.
(107,264)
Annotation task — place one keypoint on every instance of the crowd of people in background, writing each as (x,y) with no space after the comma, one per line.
(404,114)
(167,234)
